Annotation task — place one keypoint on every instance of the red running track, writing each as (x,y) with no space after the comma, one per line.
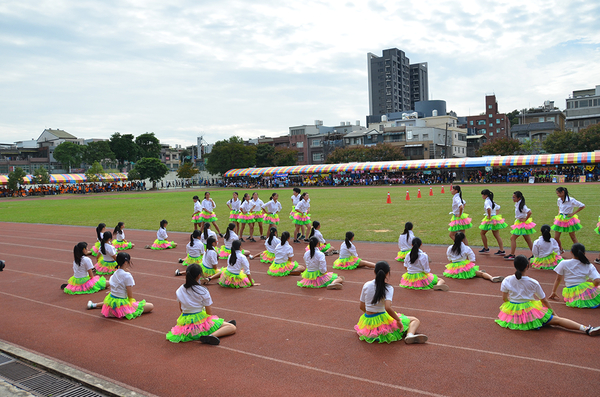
(288,339)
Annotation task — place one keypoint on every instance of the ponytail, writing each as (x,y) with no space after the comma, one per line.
(284,237)
(490,195)
(163,223)
(349,236)
(458,239)
(192,272)
(407,227)
(235,246)
(78,252)
(519,195)
(272,233)
(312,244)
(106,237)
(206,227)
(210,243)
(118,228)
(546,233)
(123,257)
(193,236)
(315,225)
(566,191)
(578,251)
(99,229)
(457,188)
(521,263)
(414,252)
(229,229)
(382,269)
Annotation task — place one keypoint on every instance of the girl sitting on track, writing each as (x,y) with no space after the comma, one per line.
(271,209)
(210,260)
(525,305)
(99,232)
(84,281)
(161,242)
(119,302)
(282,264)
(380,323)
(207,215)
(523,226)
(492,222)
(237,272)
(196,321)
(582,280)
(108,255)
(196,218)
(459,221)
(566,221)
(119,242)
(546,252)
(316,275)
(418,275)
(405,241)
(323,246)
(268,255)
(246,217)
(195,252)
(463,262)
(234,210)
(228,239)
(301,216)
(348,259)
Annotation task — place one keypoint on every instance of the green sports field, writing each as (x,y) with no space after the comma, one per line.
(362,210)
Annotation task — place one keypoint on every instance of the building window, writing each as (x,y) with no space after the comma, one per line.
(540,119)
(300,144)
(317,156)
(550,119)
(471,122)
(489,106)
(425,136)
(491,124)
(491,133)
(315,143)
(490,115)
(497,121)
(480,122)
(497,130)
(300,156)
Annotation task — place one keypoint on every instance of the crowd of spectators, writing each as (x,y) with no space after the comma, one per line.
(72,188)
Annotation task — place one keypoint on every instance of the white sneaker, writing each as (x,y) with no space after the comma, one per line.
(441,287)
(90,305)
(497,279)
(177,272)
(593,331)
(413,339)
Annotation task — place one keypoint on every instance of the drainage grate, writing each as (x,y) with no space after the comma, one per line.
(5,359)
(81,392)
(48,385)
(17,371)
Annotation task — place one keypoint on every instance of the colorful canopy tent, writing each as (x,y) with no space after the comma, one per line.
(392,166)
(71,178)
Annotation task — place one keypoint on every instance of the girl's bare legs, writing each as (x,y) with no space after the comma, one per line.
(364,263)
(413,325)
(573,237)
(237,228)
(487,276)
(513,243)
(251,231)
(148,307)
(216,227)
(496,234)
(296,231)
(565,323)
(529,242)
(557,238)
(298,271)
(224,330)
(484,239)
(260,228)
(242,231)
(452,234)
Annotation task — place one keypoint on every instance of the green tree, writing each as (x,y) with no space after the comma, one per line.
(513,117)
(589,139)
(68,154)
(500,147)
(265,155)
(385,152)
(187,170)
(531,147)
(347,155)
(133,175)
(561,142)
(92,173)
(151,168)
(285,157)
(124,148)
(149,145)
(97,152)
(228,154)
(185,156)
(15,178)
(41,176)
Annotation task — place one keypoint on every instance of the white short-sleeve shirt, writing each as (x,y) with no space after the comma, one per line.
(283,252)
(421,265)
(316,263)
(521,215)
(110,252)
(119,282)
(208,233)
(457,203)
(196,250)
(303,206)
(465,253)
(241,263)
(257,205)
(272,207)
(295,199)
(575,272)
(346,252)
(319,236)
(81,271)
(274,243)
(194,299)
(542,248)
(231,239)
(161,234)
(234,204)
(197,206)
(367,294)
(488,205)
(208,205)
(246,207)
(120,236)
(210,259)
(524,290)
(405,241)
(566,208)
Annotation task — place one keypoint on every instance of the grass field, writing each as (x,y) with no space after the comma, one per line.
(360,209)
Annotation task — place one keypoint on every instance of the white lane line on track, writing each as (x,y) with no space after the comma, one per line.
(539,360)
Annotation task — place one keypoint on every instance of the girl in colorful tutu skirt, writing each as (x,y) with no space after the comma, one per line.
(268,255)
(405,241)
(271,210)
(257,212)
(295,200)
(462,260)
(418,274)
(210,260)
(206,233)
(597,230)
(380,323)
(120,302)
(228,239)
(582,280)
(459,221)
(119,242)
(323,246)
(566,221)
(348,259)
(108,255)
(207,214)
(301,216)
(195,252)
(237,273)
(196,219)
(161,242)
(523,225)
(546,252)
(246,217)
(525,305)
(492,222)
(197,321)
(84,281)
(283,265)
(99,232)
(316,275)
(234,210)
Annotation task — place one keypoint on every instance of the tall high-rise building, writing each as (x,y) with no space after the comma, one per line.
(394,84)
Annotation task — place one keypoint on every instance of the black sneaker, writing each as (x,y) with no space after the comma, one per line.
(302,237)
(263,238)
(500,253)
(63,286)
(484,250)
(232,322)
(242,240)
(509,257)
(209,340)
(180,260)
(221,235)
(296,240)
(592,331)
(298,235)
(2,264)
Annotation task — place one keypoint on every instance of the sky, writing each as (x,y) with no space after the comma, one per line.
(184,69)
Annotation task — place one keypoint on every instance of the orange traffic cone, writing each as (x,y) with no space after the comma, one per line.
(389,199)
(431,191)
(442,189)
(407,196)
(419,194)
